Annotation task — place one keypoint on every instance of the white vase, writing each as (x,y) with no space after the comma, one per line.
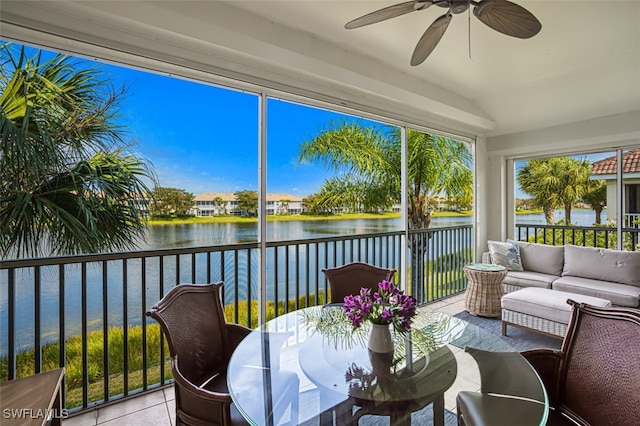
(380,339)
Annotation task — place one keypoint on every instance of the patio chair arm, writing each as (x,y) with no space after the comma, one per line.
(198,391)
(237,333)
(547,363)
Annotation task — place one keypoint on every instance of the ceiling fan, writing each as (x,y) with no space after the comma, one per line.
(501,15)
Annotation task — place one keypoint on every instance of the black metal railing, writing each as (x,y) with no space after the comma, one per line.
(87,312)
(587,236)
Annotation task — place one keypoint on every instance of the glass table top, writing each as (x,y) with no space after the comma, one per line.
(314,359)
(488,267)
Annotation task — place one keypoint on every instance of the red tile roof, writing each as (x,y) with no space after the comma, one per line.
(608,166)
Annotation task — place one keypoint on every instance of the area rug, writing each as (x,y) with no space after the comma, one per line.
(517,338)
(421,417)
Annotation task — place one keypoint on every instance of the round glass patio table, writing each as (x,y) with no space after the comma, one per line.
(311,367)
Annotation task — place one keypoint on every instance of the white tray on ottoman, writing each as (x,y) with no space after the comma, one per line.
(542,310)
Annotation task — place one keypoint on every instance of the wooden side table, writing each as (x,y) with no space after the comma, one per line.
(484,289)
(33,400)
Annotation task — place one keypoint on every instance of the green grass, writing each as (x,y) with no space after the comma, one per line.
(50,356)
(289,218)
(270,218)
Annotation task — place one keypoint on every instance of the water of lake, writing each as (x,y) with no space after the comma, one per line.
(168,236)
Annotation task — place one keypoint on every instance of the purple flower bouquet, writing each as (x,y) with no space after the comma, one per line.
(388,305)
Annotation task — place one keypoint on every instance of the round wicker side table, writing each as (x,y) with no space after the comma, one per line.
(484,290)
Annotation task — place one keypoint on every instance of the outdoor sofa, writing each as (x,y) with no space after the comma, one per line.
(540,278)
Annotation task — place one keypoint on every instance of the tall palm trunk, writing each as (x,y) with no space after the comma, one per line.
(598,210)
(419,248)
(549,214)
(567,214)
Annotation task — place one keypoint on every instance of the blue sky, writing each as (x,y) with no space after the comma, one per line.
(204,138)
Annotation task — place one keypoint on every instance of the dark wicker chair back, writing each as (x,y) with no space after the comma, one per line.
(348,279)
(600,373)
(593,379)
(200,344)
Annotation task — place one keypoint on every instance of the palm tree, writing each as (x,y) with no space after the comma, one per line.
(573,180)
(67,183)
(368,165)
(555,182)
(220,204)
(437,166)
(284,206)
(596,197)
(531,178)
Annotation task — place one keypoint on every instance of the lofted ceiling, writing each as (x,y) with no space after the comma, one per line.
(584,64)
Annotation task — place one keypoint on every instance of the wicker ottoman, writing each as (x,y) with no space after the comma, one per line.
(484,289)
(542,310)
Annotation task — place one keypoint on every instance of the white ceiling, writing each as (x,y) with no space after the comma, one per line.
(584,64)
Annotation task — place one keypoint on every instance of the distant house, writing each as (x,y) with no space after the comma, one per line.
(607,169)
(225,203)
(284,204)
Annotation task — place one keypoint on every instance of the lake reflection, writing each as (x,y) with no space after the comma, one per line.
(207,234)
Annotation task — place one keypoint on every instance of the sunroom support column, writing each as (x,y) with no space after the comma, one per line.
(262,209)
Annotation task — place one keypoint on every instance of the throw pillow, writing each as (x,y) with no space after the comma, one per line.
(506,254)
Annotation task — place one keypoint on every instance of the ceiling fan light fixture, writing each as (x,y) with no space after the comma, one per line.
(500,15)
(459,6)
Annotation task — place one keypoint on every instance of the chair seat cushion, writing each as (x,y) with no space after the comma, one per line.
(486,409)
(217,383)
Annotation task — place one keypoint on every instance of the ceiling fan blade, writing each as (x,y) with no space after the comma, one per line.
(430,39)
(387,13)
(507,18)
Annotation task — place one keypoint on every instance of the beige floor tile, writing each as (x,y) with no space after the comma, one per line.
(89,418)
(461,383)
(169,394)
(467,366)
(171,411)
(130,406)
(453,308)
(436,305)
(156,415)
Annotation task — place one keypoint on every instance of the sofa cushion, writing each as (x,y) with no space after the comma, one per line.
(602,264)
(547,304)
(542,258)
(505,254)
(529,279)
(618,294)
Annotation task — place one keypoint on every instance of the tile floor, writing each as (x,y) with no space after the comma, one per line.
(158,408)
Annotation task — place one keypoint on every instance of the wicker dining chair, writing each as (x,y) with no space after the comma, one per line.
(200,344)
(510,392)
(591,380)
(347,279)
